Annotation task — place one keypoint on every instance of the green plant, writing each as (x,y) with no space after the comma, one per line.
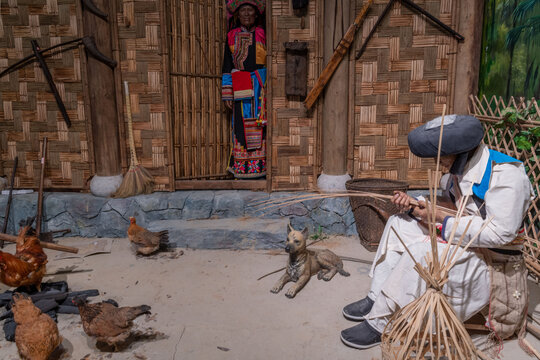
(319,235)
(525,138)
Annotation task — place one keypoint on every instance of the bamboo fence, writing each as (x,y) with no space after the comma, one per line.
(502,139)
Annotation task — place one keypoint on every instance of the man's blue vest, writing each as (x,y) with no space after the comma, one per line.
(494,157)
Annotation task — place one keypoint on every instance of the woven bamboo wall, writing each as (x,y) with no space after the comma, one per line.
(28,111)
(294,155)
(142,43)
(402,80)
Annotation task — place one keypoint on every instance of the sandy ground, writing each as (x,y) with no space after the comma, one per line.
(209,305)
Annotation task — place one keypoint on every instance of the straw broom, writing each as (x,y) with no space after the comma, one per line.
(137,180)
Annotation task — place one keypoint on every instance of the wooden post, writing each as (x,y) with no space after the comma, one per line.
(470,15)
(102,94)
(336,95)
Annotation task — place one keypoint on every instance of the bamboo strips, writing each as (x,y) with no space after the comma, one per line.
(287,201)
(201,126)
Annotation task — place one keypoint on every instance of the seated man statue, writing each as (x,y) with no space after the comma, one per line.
(501,194)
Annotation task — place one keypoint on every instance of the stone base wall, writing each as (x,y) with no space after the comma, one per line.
(90,216)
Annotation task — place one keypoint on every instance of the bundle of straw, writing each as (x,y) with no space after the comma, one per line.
(272,204)
(429,324)
(137,179)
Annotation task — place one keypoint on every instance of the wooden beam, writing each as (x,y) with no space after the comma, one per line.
(336,94)
(102,94)
(470,16)
(341,49)
(221,185)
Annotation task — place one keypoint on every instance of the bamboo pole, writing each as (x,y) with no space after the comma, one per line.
(279,203)
(40,193)
(46,245)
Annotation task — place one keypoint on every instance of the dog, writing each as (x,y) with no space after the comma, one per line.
(304,263)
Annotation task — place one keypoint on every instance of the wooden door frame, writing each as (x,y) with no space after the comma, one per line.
(166,63)
(265,184)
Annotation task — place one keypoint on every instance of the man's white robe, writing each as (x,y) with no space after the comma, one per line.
(395,283)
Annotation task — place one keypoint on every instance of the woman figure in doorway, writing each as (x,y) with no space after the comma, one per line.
(243,87)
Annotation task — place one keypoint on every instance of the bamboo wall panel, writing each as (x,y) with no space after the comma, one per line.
(143,54)
(28,111)
(295,152)
(201,126)
(402,80)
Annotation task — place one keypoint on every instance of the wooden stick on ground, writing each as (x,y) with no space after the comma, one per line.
(534,351)
(533,329)
(51,246)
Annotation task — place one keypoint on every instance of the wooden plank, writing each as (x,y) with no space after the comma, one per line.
(101,87)
(220,185)
(167,88)
(269,99)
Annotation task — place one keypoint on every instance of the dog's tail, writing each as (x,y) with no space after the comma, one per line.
(343,272)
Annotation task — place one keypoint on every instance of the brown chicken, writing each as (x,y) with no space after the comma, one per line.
(27,266)
(108,323)
(29,249)
(36,334)
(147,242)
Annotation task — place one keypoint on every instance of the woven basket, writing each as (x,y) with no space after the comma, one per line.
(531,253)
(371,214)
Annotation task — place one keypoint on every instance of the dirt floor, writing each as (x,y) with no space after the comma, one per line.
(209,305)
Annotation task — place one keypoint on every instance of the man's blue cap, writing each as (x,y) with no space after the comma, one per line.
(461,134)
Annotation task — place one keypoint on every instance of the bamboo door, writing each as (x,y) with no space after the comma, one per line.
(201,125)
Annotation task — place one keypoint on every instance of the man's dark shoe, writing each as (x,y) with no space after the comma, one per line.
(358,310)
(361,336)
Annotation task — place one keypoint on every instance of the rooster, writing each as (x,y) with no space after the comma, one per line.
(108,323)
(36,334)
(27,266)
(147,242)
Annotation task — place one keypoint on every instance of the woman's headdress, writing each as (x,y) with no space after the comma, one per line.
(233,5)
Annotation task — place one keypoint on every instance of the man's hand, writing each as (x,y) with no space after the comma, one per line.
(402,201)
(421,212)
(228,104)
